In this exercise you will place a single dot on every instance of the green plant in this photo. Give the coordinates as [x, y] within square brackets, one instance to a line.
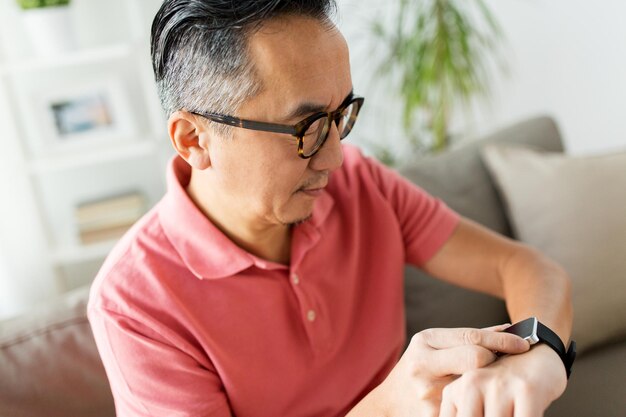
[437, 49]
[37, 4]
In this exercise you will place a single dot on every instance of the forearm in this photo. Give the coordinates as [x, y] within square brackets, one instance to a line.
[372, 405]
[533, 285]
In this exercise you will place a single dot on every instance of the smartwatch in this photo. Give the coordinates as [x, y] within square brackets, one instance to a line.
[534, 331]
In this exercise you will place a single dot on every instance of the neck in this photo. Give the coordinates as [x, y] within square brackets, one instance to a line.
[271, 242]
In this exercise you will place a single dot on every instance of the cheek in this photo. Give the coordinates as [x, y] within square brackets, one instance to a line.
[262, 175]
[275, 181]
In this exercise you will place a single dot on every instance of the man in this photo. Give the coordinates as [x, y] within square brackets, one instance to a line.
[268, 281]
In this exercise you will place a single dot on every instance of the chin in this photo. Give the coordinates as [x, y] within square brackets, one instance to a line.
[294, 219]
[297, 213]
[300, 221]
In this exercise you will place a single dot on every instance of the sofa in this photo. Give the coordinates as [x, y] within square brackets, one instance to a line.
[49, 365]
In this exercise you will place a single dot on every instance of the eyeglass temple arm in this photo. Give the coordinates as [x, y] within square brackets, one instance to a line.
[248, 124]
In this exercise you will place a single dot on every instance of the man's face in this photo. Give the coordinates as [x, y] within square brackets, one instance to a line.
[259, 176]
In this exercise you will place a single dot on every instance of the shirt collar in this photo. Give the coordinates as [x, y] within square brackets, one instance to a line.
[206, 251]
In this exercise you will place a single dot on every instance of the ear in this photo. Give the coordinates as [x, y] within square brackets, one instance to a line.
[190, 138]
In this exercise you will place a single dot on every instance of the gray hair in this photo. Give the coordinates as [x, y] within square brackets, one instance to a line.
[200, 53]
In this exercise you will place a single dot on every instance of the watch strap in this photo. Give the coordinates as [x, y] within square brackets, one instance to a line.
[547, 336]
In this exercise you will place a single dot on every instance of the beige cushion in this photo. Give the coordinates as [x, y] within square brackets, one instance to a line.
[573, 209]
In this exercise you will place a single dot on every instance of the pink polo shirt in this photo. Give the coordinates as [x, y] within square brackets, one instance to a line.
[189, 324]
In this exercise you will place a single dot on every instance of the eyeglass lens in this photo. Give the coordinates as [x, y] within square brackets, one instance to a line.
[315, 136]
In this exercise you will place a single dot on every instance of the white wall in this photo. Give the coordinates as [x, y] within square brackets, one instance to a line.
[566, 58]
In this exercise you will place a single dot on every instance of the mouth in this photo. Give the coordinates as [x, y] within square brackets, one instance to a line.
[314, 188]
[313, 192]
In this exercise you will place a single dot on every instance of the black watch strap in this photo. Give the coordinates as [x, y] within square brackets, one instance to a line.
[547, 336]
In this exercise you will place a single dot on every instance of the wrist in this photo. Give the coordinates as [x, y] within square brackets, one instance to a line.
[540, 367]
[548, 359]
[536, 332]
[566, 353]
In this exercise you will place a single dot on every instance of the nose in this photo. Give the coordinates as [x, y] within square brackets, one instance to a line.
[330, 156]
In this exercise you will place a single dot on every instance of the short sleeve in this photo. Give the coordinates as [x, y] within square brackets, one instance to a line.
[425, 221]
[153, 376]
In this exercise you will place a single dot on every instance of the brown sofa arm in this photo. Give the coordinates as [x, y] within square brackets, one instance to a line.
[49, 364]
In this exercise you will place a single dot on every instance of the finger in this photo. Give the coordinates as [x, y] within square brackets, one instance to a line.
[459, 360]
[447, 408]
[430, 409]
[496, 341]
[471, 405]
[497, 328]
[500, 411]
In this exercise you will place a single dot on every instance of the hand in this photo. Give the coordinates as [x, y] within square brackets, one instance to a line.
[513, 386]
[434, 359]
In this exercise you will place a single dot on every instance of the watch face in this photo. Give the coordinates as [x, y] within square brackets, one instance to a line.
[526, 329]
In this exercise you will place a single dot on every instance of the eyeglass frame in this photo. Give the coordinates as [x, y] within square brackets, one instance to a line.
[298, 130]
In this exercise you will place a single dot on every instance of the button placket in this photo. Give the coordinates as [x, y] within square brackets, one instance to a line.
[310, 313]
[305, 238]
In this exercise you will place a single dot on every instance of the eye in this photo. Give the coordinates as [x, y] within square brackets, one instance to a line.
[314, 129]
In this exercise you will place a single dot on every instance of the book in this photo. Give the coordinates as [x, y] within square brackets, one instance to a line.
[96, 236]
[89, 211]
[108, 218]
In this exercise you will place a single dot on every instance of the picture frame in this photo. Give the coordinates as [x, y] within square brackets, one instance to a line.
[87, 114]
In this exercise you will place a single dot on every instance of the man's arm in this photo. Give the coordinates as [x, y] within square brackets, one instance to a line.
[532, 285]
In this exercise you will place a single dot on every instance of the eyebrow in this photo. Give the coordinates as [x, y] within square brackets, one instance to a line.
[307, 108]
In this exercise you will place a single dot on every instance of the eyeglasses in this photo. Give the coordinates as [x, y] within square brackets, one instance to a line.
[311, 132]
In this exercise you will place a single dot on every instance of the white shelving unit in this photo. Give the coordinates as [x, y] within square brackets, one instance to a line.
[79, 57]
[113, 54]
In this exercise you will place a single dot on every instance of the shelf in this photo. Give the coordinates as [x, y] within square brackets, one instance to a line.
[58, 174]
[78, 57]
[92, 157]
[79, 254]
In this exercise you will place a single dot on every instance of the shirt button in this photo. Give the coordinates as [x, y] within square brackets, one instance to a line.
[295, 278]
[310, 315]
